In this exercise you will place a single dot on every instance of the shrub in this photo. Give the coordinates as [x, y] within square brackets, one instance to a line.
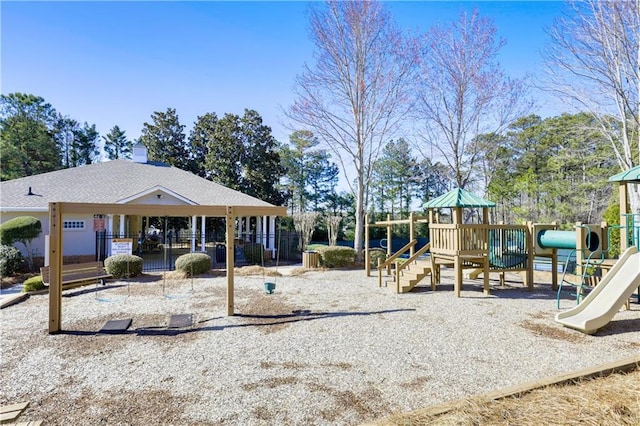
[254, 253]
[20, 229]
[10, 260]
[336, 256]
[33, 284]
[376, 254]
[316, 247]
[23, 229]
[123, 265]
[194, 263]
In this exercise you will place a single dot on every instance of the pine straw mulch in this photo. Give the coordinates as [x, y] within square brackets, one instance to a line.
[610, 400]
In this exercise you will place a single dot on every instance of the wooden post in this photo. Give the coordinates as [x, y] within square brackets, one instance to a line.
[624, 209]
[485, 272]
[411, 233]
[389, 238]
[230, 260]
[581, 236]
[530, 256]
[367, 255]
[604, 236]
[55, 268]
[457, 269]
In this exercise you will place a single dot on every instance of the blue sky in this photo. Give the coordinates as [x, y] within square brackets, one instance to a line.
[114, 63]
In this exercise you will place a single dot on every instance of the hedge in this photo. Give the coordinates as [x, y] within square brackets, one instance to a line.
[376, 254]
[336, 256]
[194, 263]
[20, 229]
[123, 265]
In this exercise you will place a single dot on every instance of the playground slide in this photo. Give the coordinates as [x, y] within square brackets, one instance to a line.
[599, 307]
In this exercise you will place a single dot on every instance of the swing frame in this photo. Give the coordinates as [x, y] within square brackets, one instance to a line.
[57, 210]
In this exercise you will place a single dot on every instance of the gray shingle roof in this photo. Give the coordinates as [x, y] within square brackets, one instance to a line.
[113, 181]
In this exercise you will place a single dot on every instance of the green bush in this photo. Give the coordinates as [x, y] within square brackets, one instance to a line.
[254, 253]
[316, 247]
[123, 265]
[33, 284]
[20, 229]
[194, 263]
[376, 254]
[336, 256]
[10, 260]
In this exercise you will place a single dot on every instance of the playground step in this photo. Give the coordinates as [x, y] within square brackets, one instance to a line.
[411, 276]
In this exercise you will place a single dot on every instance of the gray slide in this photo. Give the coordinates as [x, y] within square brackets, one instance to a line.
[606, 299]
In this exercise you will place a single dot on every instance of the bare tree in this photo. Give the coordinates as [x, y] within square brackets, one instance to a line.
[463, 92]
[333, 225]
[356, 93]
[305, 224]
[594, 62]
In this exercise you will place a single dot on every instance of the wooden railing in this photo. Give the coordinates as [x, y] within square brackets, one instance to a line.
[406, 263]
[393, 258]
[471, 239]
[459, 239]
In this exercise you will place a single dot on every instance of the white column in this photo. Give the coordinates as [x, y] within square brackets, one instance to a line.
[202, 234]
[264, 231]
[247, 229]
[239, 227]
[109, 232]
[193, 233]
[259, 230]
[122, 217]
[272, 236]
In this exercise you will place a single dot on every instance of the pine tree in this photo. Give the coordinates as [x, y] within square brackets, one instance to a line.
[27, 142]
[165, 139]
[116, 144]
[199, 138]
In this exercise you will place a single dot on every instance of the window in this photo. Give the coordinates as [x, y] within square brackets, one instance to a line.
[73, 225]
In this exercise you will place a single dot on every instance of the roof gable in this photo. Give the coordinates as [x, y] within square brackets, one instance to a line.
[158, 192]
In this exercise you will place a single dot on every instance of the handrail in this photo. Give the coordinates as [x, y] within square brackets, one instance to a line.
[407, 262]
[397, 254]
[392, 258]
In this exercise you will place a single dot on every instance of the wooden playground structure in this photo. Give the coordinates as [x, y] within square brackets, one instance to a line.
[482, 248]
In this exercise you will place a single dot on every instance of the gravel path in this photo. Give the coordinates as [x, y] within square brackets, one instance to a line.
[326, 348]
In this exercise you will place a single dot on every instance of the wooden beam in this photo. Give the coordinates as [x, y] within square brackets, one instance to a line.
[55, 268]
[230, 216]
[621, 366]
[181, 210]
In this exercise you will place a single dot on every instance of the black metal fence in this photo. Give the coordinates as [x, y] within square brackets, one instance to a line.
[159, 251]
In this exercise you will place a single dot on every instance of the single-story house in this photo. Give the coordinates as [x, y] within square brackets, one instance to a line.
[136, 181]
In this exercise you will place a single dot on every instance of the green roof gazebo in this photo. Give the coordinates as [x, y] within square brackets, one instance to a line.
[458, 244]
[627, 222]
[459, 199]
